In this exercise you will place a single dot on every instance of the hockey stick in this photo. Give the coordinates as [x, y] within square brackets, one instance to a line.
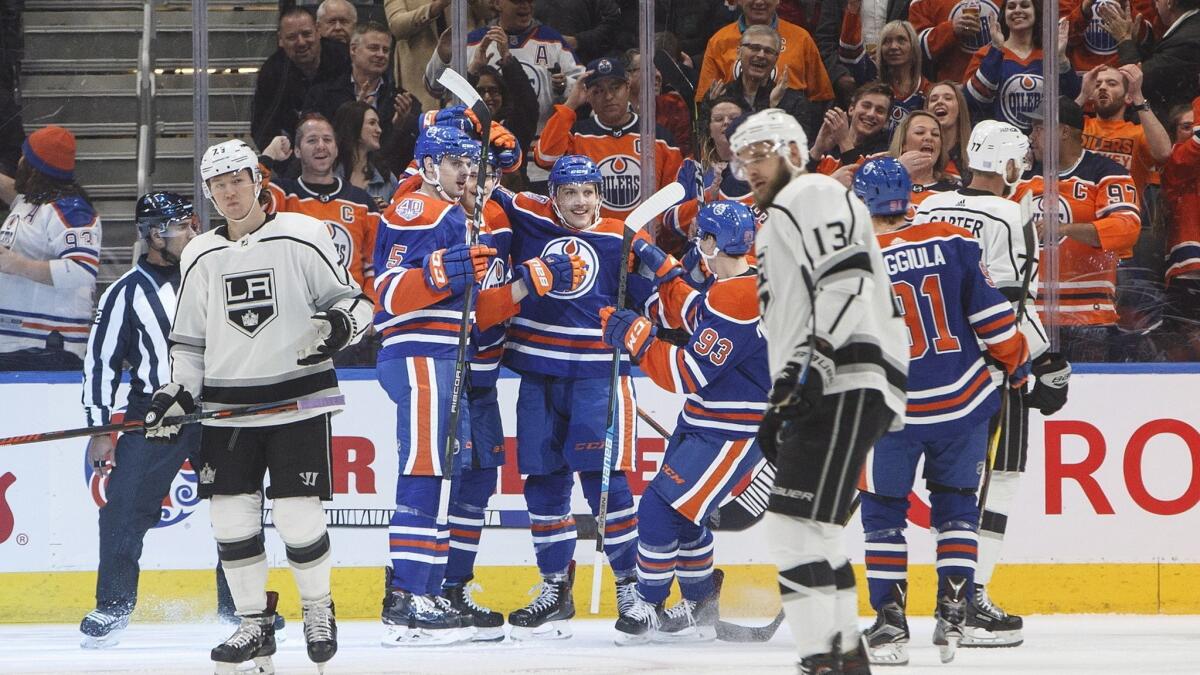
[190, 418]
[658, 428]
[455, 84]
[1022, 309]
[645, 212]
[732, 632]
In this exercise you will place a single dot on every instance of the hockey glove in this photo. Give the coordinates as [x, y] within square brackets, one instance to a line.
[334, 329]
[627, 330]
[554, 273]
[502, 137]
[171, 400]
[1051, 374]
[1019, 376]
[451, 269]
[651, 262]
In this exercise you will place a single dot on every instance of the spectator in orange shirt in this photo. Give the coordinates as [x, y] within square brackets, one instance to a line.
[951, 31]
[799, 54]
[1137, 147]
[1090, 44]
[1182, 120]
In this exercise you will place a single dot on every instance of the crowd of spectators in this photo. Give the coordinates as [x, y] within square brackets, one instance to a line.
[907, 78]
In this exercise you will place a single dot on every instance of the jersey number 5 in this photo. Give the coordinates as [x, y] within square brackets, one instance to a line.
[911, 309]
[715, 347]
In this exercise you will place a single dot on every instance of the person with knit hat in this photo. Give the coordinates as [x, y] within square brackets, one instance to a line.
[49, 257]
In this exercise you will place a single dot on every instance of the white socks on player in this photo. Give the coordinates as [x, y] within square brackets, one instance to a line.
[1002, 493]
[300, 522]
[237, 527]
[803, 549]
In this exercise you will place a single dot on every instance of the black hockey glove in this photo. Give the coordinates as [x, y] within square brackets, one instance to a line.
[335, 328]
[797, 392]
[1051, 373]
[171, 400]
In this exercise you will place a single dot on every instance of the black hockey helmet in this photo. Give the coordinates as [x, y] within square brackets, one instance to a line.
[157, 210]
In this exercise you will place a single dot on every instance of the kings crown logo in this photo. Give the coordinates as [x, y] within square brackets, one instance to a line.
[250, 300]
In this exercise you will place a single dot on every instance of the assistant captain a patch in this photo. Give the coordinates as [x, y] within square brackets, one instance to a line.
[250, 300]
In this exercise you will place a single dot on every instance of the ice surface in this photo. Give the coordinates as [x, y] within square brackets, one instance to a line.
[1053, 645]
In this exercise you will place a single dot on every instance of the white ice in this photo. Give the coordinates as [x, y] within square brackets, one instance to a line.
[1054, 645]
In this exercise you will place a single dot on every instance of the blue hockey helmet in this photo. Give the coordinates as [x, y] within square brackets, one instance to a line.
[884, 185]
[437, 142]
[573, 169]
[156, 211]
[731, 223]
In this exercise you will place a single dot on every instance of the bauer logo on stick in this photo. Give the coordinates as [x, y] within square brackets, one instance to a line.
[250, 300]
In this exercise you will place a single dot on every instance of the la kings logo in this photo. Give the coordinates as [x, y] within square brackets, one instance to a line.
[250, 300]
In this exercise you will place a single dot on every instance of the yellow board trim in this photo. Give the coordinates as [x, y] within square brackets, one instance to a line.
[750, 590]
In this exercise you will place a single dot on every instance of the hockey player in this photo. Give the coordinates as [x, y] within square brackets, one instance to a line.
[555, 344]
[951, 308]
[722, 368]
[263, 306]
[997, 158]
[423, 264]
[837, 353]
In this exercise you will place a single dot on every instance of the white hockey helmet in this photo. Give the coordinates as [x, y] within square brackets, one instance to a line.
[993, 144]
[228, 157]
[776, 127]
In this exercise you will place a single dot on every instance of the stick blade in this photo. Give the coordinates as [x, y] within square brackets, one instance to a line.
[658, 202]
[732, 632]
[456, 84]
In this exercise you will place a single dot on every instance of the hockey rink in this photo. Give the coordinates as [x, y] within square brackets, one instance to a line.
[1054, 645]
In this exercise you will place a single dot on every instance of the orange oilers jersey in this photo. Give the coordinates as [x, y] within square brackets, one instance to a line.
[348, 212]
[1124, 143]
[1181, 190]
[1089, 44]
[616, 152]
[799, 54]
[934, 23]
[1095, 190]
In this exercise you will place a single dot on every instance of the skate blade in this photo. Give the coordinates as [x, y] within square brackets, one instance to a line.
[261, 665]
[976, 638]
[631, 640]
[689, 634]
[403, 636]
[551, 630]
[946, 651]
[107, 642]
[889, 654]
[492, 634]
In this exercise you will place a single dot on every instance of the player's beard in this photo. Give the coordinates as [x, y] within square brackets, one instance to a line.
[781, 178]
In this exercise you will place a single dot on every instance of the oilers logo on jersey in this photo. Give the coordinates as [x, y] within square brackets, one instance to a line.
[1064, 209]
[591, 264]
[987, 15]
[1020, 96]
[622, 179]
[1095, 36]
[250, 300]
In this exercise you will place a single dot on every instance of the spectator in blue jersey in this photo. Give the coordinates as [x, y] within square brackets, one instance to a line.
[589, 27]
[302, 60]
[829, 27]
[132, 323]
[759, 82]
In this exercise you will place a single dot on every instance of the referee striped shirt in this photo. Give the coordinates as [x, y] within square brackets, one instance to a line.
[133, 320]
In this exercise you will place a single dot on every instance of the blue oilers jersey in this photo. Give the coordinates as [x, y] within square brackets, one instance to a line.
[723, 367]
[1000, 85]
[559, 333]
[949, 306]
[489, 343]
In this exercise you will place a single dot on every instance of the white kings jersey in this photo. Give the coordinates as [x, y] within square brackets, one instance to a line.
[65, 232]
[244, 315]
[997, 223]
[820, 269]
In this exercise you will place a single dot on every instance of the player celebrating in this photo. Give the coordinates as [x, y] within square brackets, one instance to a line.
[997, 157]
[423, 266]
[555, 343]
[263, 305]
[723, 370]
[836, 351]
[950, 307]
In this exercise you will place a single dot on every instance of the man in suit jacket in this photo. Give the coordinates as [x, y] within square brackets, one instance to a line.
[829, 28]
[1170, 65]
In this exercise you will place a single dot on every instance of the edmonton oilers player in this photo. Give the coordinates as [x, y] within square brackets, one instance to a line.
[950, 306]
[722, 368]
[423, 265]
[555, 344]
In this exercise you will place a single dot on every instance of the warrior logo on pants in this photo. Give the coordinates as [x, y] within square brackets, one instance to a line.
[250, 300]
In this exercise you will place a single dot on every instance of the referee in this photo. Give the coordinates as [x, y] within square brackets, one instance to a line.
[133, 319]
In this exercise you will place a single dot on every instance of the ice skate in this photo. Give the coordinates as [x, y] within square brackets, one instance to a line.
[637, 621]
[548, 616]
[320, 632]
[951, 616]
[489, 624]
[887, 639]
[416, 620]
[690, 621]
[254, 640]
[102, 629]
[857, 661]
[819, 664]
[990, 626]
